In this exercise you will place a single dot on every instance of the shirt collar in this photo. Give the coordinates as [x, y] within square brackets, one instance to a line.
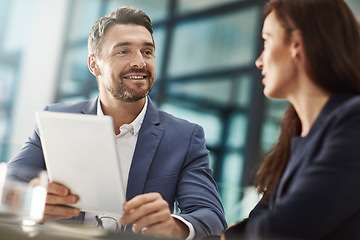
[136, 124]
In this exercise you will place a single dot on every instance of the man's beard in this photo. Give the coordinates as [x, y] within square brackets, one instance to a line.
[123, 93]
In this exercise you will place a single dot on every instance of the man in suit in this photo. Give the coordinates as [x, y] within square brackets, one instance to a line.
[163, 158]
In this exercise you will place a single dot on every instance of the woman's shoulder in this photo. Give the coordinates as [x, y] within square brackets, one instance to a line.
[347, 103]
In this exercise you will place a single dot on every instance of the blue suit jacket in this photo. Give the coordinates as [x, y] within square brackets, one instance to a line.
[170, 158]
[317, 196]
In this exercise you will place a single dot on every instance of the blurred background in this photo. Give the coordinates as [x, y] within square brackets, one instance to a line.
[205, 53]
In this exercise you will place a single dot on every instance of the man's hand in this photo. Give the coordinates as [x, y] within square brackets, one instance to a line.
[57, 196]
[151, 215]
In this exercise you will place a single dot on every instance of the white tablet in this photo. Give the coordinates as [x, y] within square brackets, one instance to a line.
[80, 152]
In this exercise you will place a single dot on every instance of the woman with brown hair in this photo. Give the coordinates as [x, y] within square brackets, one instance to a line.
[310, 177]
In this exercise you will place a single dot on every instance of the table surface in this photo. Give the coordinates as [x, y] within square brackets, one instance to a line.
[57, 231]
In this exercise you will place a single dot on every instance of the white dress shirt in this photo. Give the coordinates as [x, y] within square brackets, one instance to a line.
[126, 142]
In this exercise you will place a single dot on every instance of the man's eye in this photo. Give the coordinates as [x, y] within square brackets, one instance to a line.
[123, 52]
[148, 52]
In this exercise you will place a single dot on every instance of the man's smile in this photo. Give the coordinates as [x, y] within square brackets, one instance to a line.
[136, 77]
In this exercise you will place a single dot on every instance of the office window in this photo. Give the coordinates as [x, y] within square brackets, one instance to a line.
[13, 17]
[75, 76]
[213, 43]
[237, 135]
[355, 7]
[214, 90]
[272, 124]
[211, 123]
[187, 6]
[84, 13]
[156, 9]
[229, 188]
[159, 39]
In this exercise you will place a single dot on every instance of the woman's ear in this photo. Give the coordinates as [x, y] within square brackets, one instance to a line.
[93, 66]
[296, 46]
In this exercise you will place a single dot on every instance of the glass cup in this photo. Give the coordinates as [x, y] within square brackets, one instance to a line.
[21, 202]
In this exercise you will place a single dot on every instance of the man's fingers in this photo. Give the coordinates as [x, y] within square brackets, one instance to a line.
[150, 214]
[152, 220]
[140, 200]
[143, 214]
[57, 189]
[54, 212]
[147, 210]
[61, 211]
[55, 199]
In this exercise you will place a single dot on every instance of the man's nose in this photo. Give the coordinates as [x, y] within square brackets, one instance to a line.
[138, 61]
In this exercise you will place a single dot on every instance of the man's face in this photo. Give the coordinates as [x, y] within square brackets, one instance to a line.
[126, 63]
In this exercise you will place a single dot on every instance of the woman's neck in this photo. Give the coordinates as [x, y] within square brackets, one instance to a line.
[308, 106]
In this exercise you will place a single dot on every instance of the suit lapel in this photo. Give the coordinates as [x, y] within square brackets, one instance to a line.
[148, 141]
[293, 165]
[307, 151]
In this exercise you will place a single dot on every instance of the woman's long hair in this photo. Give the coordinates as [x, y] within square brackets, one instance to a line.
[331, 40]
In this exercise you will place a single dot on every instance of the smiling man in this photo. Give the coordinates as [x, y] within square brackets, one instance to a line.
[163, 159]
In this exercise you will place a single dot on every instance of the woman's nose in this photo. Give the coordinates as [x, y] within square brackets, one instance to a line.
[259, 62]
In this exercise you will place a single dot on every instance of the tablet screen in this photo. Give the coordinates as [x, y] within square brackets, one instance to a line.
[80, 153]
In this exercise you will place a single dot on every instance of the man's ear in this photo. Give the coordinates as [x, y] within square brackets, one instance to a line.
[93, 66]
[296, 47]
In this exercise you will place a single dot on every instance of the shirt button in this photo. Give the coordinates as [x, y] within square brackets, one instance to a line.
[132, 131]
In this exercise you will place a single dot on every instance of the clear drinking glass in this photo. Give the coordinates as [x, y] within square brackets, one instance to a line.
[20, 202]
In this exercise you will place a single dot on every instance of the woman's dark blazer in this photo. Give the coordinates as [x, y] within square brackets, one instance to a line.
[318, 196]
